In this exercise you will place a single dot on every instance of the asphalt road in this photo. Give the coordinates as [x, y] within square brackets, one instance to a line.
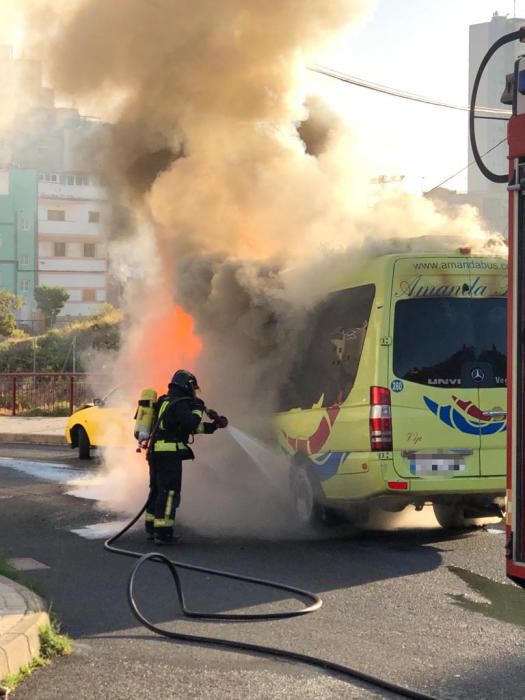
[418, 607]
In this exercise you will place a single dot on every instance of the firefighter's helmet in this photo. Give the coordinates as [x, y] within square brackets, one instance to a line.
[186, 381]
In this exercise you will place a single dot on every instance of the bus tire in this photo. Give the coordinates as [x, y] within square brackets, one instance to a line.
[83, 444]
[305, 497]
[451, 516]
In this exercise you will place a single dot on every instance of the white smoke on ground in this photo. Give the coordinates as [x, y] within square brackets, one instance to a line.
[256, 200]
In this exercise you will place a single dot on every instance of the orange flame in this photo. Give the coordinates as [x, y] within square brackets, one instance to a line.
[162, 345]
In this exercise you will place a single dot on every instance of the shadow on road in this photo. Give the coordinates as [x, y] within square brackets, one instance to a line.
[503, 601]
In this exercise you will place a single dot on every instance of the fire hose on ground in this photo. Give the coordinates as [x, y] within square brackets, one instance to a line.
[313, 605]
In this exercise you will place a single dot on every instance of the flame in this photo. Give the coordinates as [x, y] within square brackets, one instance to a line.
[162, 344]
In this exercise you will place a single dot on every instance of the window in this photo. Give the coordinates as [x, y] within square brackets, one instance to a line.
[89, 295]
[70, 179]
[60, 250]
[56, 215]
[24, 285]
[24, 259]
[89, 250]
[94, 217]
[440, 341]
[81, 179]
[62, 179]
[330, 349]
[24, 223]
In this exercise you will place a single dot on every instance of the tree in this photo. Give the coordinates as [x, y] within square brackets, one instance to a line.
[9, 303]
[50, 300]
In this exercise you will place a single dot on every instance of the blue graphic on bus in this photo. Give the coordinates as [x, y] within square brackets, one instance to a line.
[466, 417]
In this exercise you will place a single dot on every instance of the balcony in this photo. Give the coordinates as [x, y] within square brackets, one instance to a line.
[72, 265]
[71, 228]
[53, 190]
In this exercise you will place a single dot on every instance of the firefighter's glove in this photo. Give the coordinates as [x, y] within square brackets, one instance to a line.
[221, 422]
[213, 415]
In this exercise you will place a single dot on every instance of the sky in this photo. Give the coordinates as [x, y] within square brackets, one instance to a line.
[420, 46]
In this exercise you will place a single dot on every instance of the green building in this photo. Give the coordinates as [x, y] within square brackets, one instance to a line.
[18, 235]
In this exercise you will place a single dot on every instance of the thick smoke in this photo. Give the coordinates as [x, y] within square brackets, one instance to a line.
[252, 197]
[320, 123]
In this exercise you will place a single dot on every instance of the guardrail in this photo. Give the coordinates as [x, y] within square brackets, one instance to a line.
[49, 393]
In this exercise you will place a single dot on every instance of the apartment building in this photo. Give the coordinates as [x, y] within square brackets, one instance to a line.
[18, 236]
[73, 218]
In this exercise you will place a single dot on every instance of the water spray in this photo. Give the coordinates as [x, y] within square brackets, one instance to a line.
[262, 455]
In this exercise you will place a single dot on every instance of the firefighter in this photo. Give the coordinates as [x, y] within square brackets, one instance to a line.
[179, 416]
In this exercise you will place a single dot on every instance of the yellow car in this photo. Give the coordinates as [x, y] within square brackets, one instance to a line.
[102, 423]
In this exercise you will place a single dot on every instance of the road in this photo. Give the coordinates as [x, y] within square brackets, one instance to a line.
[417, 606]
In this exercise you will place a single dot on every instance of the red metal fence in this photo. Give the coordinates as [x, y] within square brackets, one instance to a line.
[49, 394]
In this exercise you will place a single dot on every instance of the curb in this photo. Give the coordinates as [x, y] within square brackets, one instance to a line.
[20, 642]
[33, 439]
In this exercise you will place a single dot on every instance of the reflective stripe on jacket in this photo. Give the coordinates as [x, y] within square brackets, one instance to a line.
[174, 439]
[164, 446]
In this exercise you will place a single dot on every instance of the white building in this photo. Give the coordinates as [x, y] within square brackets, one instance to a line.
[490, 197]
[73, 209]
[73, 217]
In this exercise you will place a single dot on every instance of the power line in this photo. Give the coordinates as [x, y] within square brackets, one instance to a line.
[451, 177]
[359, 82]
[385, 89]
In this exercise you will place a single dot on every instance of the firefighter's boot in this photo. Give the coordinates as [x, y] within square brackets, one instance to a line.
[149, 526]
[165, 536]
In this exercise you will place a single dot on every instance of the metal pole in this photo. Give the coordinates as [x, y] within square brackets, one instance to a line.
[13, 397]
[74, 353]
[71, 394]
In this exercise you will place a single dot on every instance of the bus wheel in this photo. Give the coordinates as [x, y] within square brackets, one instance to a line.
[83, 444]
[450, 515]
[306, 505]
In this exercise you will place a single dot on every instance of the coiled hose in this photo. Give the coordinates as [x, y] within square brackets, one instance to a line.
[315, 604]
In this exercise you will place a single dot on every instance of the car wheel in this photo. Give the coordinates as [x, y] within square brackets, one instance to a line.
[450, 515]
[83, 444]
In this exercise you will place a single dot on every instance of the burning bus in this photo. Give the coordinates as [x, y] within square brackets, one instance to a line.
[399, 395]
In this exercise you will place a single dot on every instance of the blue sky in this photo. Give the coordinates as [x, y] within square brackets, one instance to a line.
[420, 46]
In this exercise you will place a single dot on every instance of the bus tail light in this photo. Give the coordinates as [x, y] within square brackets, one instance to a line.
[380, 419]
[398, 485]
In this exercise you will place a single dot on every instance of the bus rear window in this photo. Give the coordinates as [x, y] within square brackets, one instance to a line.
[330, 350]
[451, 342]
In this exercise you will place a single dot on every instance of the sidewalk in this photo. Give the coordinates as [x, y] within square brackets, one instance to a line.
[33, 430]
[22, 611]
[21, 617]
